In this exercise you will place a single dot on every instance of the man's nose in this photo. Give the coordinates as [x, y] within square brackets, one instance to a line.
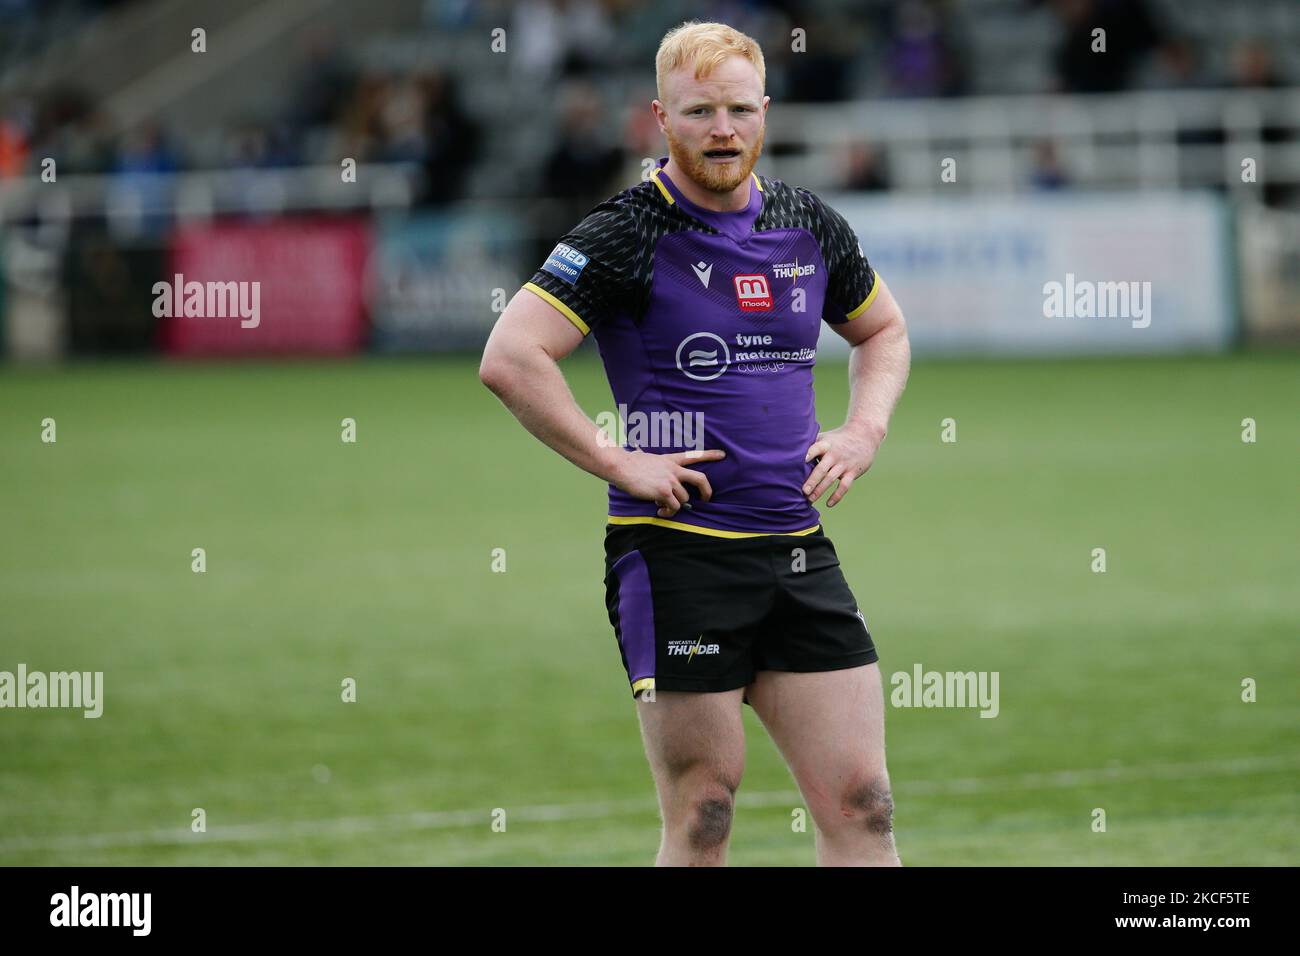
[723, 128]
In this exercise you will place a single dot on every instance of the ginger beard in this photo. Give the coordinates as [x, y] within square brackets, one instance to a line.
[715, 177]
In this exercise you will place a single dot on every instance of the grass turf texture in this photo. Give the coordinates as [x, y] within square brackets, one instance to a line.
[478, 690]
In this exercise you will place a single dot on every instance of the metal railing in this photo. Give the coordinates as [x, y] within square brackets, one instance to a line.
[1136, 140]
[1131, 141]
[129, 199]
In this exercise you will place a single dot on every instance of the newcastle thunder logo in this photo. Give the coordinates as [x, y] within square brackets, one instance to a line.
[703, 356]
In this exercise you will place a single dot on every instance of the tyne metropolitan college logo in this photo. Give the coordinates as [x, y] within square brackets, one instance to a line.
[706, 355]
[753, 293]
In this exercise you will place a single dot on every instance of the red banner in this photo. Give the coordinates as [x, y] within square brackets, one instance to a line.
[287, 287]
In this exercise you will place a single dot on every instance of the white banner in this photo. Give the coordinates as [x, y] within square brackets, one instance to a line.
[1059, 274]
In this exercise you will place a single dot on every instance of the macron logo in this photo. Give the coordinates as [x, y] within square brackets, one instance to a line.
[702, 272]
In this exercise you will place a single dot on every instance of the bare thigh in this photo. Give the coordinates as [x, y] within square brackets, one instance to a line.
[695, 743]
[689, 734]
[830, 728]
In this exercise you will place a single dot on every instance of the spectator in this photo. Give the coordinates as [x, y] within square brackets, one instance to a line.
[255, 145]
[1129, 33]
[68, 128]
[641, 136]
[324, 84]
[15, 141]
[1177, 66]
[864, 169]
[558, 37]
[145, 150]
[404, 134]
[359, 125]
[922, 59]
[141, 197]
[580, 167]
[453, 139]
[1048, 173]
[582, 163]
[1253, 67]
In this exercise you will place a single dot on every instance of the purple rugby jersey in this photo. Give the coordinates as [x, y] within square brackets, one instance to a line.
[716, 313]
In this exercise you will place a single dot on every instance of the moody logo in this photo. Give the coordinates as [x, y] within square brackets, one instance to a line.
[753, 293]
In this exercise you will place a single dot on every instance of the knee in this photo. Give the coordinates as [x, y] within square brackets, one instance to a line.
[709, 824]
[698, 799]
[702, 806]
[869, 804]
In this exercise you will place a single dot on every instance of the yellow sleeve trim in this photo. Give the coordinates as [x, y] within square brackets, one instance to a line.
[567, 312]
[866, 303]
[662, 188]
[645, 683]
[712, 532]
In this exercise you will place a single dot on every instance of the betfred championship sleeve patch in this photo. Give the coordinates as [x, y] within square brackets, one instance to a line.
[565, 262]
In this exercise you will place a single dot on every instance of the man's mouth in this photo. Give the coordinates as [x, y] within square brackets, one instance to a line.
[723, 154]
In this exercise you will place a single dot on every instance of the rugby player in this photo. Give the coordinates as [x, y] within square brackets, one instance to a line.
[705, 287]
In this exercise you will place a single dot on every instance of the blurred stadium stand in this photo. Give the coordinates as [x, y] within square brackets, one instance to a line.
[453, 140]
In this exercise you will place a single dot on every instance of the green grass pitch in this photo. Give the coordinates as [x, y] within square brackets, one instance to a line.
[479, 690]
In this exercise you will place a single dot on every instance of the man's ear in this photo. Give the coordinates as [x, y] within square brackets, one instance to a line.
[660, 114]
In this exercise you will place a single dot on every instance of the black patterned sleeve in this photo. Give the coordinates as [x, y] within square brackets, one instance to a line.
[851, 285]
[587, 276]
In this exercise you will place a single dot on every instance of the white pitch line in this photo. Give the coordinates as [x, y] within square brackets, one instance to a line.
[555, 812]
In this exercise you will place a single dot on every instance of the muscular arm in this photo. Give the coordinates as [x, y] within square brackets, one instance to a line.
[878, 367]
[520, 366]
